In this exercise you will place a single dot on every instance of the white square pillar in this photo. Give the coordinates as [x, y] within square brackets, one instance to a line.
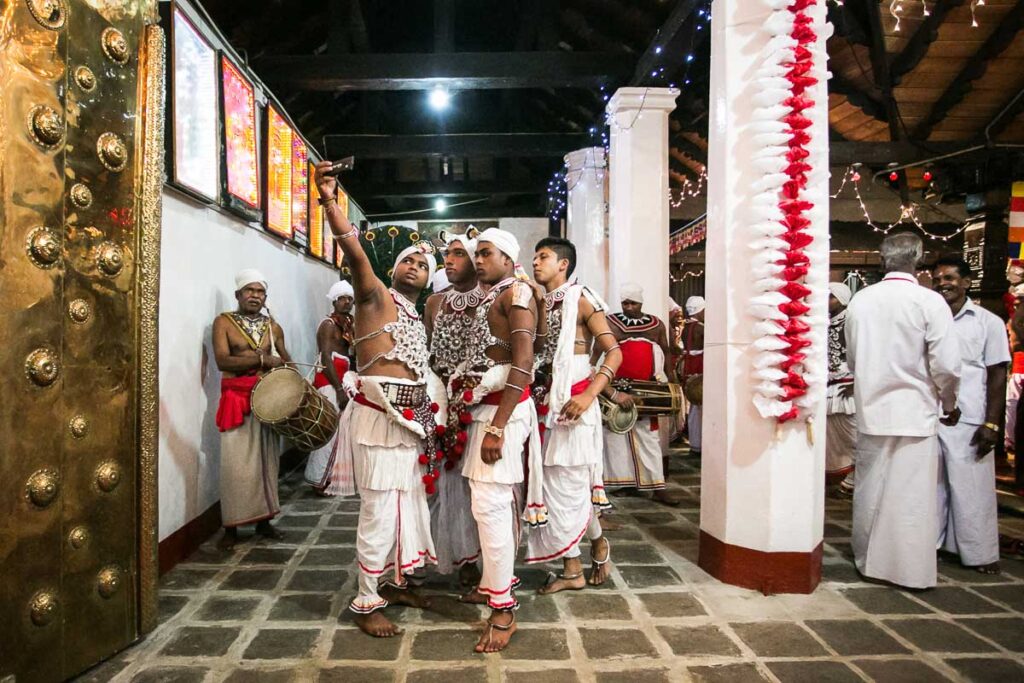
[762, 486]
[586, 180]
[638, 211]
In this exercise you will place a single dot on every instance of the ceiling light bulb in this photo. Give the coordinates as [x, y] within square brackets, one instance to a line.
[439, 98]
[440, 205]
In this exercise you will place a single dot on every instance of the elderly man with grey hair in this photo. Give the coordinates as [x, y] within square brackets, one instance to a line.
[906, 364]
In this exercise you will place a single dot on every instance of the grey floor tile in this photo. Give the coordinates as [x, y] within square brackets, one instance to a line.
[355, 674]
[878, 600]
[956, 600]
[261, 676]
[899, 671]
[637, 553]
[537, 609]
[346, 520]
[601, 643]
[171, 674]
[303, 607]
[274, 556]
[634, 675]
[317, 580]
[820, 671]
[547, 676]
[280, 643]
[1007, 631]
[590, 606]
[329, 557]
[446, 609]
[934, 635]
[336, 537]
[988, 670]
[476, 674]
[674, 532]
[669, 604]
[349, 644]
[778, 639]
[200, 641]
[537, 644]
[445, 644]
[698, 640]
[856, 637]
[1011, 595]
[650, 576]
[251, 580]
[170, 605]
[224, 608]
[185, 578]
[298, 521]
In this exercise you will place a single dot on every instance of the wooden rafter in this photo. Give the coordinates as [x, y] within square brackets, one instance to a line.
[999, 40]
[917, 47]
[663, 39]
[868, 103]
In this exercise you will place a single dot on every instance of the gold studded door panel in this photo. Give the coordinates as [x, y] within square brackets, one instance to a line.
[75, 483]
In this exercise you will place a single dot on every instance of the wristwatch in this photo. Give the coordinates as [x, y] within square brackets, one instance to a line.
[991, 425]
[496, 431]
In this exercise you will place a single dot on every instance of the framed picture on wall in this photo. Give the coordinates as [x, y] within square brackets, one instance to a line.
[278, 146]
[316, 216]
[339, 255]
[195, 146]
[241, 160]
[301, 178]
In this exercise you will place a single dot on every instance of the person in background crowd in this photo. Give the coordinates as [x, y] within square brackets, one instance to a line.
[967, 516]
[693, 365]
[906, 364]
[1012, 298]
[841, 409]
[333, 339]
[247, 344]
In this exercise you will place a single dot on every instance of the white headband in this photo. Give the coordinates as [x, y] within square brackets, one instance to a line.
[248, 277]
[339, 289]
[631, 291]
[694, 305]
[417, 249]
[505, 241]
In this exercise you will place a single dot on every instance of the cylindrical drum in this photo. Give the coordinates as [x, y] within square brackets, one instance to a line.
[289, 405]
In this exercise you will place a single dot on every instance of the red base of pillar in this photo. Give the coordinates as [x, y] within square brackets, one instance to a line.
[762, 571]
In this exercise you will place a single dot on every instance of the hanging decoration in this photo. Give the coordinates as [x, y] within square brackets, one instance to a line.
[788, 384]
[692, 234]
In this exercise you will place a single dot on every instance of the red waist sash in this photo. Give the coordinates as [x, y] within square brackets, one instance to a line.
[340, 367]
[1018, 363]
[362, 400]
[579, 387]
[495, 398]
[235, 403]
[637, 360]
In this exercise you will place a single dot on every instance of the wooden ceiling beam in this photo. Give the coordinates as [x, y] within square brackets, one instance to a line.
[917, 47]
[998, 40]
[469, 144]
[666, 34]
[456, 71]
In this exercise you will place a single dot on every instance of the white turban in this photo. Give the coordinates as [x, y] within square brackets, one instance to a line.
[694, 305]
[631, 291]
[248, 277]
[418, 249]
[339, 289]
[505, 241]
[673, 306]
[841, 292]
[467, 244]
[440, 281]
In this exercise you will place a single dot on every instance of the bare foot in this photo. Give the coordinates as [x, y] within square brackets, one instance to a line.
[265, 530]
[497, 633]
[469, 575]
[228, 540]
[600, 570]
[474, 597]
[376, 624]
[404, 596]
[662, 496]
[571, 579]
[990, 569]
[608, 525]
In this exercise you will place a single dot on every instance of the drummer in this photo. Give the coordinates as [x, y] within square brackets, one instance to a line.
[634, 460]
[693, 365]
[333, 339]
[247, 344]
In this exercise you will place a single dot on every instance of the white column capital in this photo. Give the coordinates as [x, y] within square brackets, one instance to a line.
[588, 157]
[636, 99]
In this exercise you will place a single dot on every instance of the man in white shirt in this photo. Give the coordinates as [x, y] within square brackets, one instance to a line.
[967, 518]
[906, 363]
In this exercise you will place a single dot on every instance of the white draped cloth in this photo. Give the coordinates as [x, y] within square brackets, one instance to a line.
[906, 363]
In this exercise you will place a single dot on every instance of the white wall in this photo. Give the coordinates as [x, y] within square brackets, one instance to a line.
[201, 251]
[528, 231]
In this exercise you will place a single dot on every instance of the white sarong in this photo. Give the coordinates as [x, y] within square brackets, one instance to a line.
[249, 463]
[693, 418]
[1013, 391]
[633, 459]
[451, 523]
[321, 461]
[967, 514]
[894, 509]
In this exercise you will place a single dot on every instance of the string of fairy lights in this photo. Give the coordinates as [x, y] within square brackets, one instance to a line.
[897, 13]
[558, 186]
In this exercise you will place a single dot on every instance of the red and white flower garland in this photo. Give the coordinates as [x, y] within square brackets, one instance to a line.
[787, 382]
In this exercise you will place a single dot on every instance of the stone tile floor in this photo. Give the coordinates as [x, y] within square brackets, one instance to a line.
[276, 612]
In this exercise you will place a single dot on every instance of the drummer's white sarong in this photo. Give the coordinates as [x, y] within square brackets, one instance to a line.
[693, 426]
[320, 462]
[249, 462]
[393, 537]
[633, 459]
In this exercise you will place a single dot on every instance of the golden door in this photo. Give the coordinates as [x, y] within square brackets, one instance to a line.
[81, 166]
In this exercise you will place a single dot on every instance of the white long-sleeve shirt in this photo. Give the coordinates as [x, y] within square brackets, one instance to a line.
[905, 357]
